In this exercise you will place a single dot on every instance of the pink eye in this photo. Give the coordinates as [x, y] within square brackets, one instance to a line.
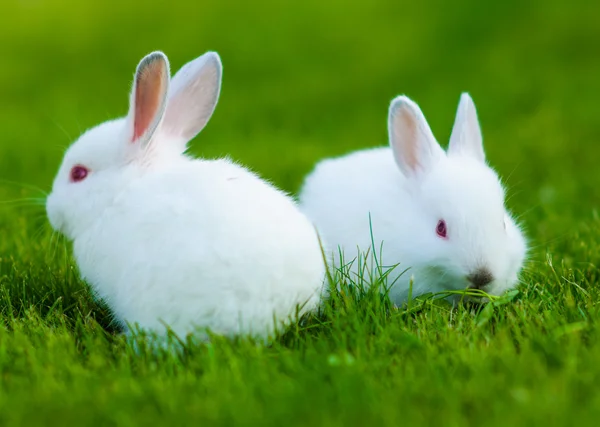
[78, 173]
[441, 229]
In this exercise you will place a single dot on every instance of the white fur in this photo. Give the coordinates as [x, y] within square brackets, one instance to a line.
[169, 240]
[407, 189]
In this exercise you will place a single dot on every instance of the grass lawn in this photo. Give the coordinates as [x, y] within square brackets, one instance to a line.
[302, 81]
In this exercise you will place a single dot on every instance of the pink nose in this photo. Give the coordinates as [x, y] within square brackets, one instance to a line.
[480, 278]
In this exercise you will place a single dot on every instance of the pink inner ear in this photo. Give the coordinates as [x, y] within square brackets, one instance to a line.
[411, 134]
[149, 94]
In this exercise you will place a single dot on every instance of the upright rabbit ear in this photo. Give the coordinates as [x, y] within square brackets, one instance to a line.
[148, 97]
[466, 136]
[193, 96]
[414, 146]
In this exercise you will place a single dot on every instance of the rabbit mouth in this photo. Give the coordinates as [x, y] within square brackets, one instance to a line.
[52, 215]
[55, 217]
[58, 226]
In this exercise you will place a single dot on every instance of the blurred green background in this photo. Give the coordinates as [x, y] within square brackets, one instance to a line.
[306, 80]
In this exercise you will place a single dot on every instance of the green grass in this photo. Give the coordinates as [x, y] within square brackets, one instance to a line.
[302, 81]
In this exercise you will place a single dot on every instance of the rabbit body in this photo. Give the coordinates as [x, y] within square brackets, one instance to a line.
[167, 240]
[202, 252]
[437, 218]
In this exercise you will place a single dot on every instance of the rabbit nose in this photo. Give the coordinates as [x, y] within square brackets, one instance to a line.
[480, 278]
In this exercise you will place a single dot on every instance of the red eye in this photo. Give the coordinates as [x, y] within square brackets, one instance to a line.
[78, 173]
[441, 229]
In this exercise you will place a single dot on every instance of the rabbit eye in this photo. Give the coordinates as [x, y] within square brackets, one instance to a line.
[79, 173]
[441, 229]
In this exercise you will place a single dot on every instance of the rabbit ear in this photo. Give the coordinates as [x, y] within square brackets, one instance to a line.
[193, 96]
[414, 146]
[148, 97]
[466, 136]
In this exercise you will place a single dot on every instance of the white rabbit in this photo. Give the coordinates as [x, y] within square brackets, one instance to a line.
[441, 215]
[167, 240]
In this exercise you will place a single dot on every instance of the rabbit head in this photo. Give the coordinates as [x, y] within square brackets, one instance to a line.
[463, 231]
[163, 116]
